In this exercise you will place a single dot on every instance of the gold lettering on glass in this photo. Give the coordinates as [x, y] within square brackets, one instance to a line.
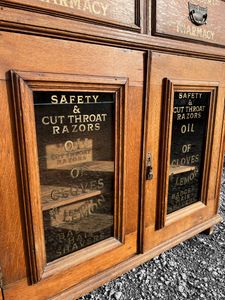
[76, 151]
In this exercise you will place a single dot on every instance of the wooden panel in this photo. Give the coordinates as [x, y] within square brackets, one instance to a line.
[60, 57]
[24, 85]
[217, 157]
[191, 68]
[71, 275]
[48, 25]
[171, 19]
[180, 68]
[173, 230]
[134, 143]
[123, 14]
[83, 287]
[12, 255]
[173, 66]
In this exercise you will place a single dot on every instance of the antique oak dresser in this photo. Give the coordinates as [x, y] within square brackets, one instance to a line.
[111, 133]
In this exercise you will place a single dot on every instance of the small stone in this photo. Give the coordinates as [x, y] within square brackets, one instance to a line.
[180, 288]
[163, 255]
[172, 263]
[118, 295]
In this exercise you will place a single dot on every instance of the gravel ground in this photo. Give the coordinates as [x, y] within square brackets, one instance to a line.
[194, 269]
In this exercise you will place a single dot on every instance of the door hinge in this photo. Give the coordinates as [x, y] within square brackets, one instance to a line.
[149, 175]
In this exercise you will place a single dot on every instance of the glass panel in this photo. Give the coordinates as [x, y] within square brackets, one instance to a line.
[190, 118]
[76, 153]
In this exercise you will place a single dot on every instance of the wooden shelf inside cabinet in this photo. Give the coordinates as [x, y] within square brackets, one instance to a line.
[50, 205]
[50, 193]
[180, 169]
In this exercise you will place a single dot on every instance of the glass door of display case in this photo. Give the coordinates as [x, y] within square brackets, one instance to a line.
[75, 208]
[73, 154]
[184, 142]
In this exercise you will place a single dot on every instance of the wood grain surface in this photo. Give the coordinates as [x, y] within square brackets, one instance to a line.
[170, 66]
[172, 19]
[14, 17]
[111, 12]
[22, 217]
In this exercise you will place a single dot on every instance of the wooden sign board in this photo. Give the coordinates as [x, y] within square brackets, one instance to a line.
[111, 12]
[74, 163]
[173, 19]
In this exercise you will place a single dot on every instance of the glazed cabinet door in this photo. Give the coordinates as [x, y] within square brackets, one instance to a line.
[72, 158]
[183, 149]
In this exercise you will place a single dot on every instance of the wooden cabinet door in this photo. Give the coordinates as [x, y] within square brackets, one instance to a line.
[71, 208]
[183, 153]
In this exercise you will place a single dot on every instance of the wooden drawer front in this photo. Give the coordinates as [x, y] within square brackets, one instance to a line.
[90, 64]
[172, 19]
[122, 13]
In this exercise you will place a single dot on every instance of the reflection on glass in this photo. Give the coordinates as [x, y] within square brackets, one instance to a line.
[190, 117]
[76, 151]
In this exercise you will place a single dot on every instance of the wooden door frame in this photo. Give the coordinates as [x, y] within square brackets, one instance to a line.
[172, 86]
[24, 84]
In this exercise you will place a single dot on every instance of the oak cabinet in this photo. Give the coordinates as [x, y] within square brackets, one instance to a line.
[112, 138]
